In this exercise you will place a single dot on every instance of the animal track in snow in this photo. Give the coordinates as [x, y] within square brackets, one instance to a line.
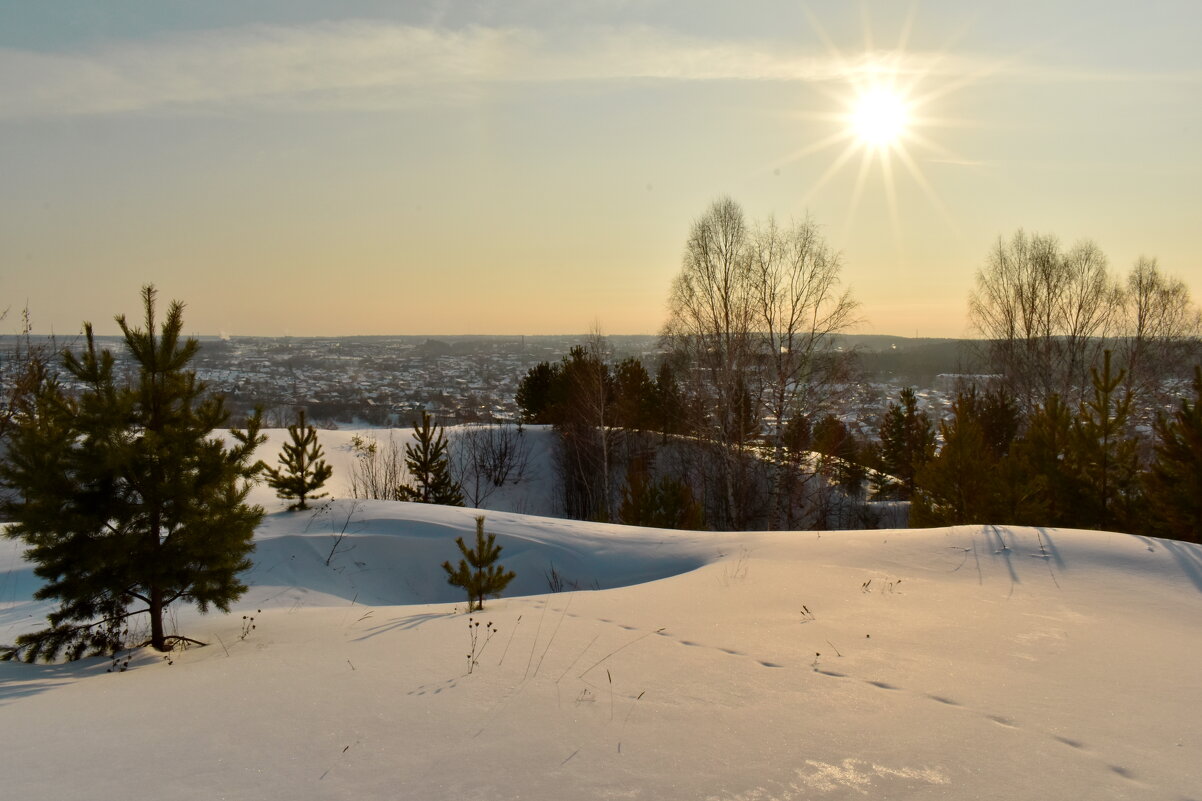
[942, 700]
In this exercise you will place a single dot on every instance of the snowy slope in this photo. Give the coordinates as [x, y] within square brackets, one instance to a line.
[534, 493]
[949, 663]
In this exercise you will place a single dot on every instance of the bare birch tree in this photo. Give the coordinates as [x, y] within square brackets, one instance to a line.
[800, 307]
[711, 326]
[752, 316]
[1044, 314]
[1161, 333]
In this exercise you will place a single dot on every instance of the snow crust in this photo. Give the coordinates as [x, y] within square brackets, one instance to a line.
[971, 662]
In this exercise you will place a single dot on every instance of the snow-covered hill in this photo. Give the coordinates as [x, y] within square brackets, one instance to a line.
[974, 662]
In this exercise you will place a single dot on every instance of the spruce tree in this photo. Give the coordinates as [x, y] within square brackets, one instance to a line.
[477, 572]
[126, 501]
[1174, 480]
[302, 469]
[429, 467]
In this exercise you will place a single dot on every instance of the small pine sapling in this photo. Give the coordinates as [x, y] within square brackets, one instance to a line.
[302, 469]
[477, 572]
[430, 467]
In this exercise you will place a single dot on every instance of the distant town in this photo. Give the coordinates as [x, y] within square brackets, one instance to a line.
[385, 380]
[390, 380]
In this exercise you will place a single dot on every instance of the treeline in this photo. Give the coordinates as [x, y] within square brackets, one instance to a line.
[627, 454]
[609, 418]
[1059, 465]
[1080, 412]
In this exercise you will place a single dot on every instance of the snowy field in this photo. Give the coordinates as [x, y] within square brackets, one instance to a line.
[972, 662]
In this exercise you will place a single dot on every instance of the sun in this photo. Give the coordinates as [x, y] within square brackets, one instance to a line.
[879, 117]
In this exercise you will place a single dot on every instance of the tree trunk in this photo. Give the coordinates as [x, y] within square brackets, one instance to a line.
[158, 640]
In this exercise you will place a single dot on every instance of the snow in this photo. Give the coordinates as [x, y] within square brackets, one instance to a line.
[970, 662]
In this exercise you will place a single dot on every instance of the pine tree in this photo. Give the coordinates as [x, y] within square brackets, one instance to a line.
[1038, 486]
[1103, 456]
[634, 396]
[126, 502]
[429, 467]
[959, 484]
[907, 440]
[302, 469]
[663, 503]
[668, 409]
[477, 572]
[540, 393]
[840, 453]
[1174, 481]
[966, 480]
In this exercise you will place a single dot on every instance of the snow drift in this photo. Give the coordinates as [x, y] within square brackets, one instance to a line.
[972, 662]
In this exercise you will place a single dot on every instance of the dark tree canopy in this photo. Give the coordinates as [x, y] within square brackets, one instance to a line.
[1174, 482]
[538, 393]
[665, 502]
[962, 483]
[126, 501]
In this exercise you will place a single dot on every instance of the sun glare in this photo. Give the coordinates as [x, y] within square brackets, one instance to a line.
[879, 117]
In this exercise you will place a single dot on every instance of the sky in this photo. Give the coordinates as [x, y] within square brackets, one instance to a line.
[291, 167]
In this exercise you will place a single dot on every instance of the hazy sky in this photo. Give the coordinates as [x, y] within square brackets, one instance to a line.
[302, 167]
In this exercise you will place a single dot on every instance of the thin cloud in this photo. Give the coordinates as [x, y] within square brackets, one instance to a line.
[367, 64]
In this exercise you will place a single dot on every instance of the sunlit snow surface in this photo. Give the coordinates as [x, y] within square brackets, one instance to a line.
[974, 662]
